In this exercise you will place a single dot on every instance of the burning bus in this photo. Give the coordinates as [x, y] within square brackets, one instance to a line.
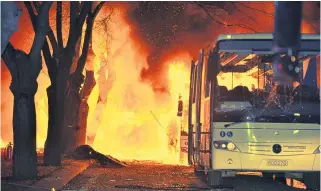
[241, 121]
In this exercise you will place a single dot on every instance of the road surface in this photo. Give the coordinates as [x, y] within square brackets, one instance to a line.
[153, 176]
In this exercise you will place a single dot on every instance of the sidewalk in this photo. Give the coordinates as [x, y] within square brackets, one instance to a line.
[49, 177]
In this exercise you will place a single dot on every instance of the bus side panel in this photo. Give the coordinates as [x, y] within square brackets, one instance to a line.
[205, 136]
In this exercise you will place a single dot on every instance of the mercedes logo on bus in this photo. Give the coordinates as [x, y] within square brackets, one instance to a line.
[277, 148]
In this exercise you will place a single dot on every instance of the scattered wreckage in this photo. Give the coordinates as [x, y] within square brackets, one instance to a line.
[86, 152]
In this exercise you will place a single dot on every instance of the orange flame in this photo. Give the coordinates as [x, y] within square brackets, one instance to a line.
[138, 123]
[129, 129]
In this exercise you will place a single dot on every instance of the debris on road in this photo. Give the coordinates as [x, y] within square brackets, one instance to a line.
[86, 152]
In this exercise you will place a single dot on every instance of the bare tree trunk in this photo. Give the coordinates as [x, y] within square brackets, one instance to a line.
[24, 69]
[53, 146]
[73, 98]
[77, 49]
[67, 86]
[84, 107]
[24, 72]
[76, 57]
[24, 123]
[72, 108]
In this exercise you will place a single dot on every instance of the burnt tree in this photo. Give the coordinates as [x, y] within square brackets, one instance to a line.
[77, 101]
[24, 69]
[59, 63]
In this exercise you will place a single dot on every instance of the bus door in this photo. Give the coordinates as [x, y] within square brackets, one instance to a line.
[205, 132]
[197, 111]
[190, 122]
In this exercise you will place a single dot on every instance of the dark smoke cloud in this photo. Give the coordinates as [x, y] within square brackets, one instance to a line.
[164, 29]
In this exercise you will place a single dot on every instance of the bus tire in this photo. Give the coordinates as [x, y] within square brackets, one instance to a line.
[312, 181]
[199, 172]
[280, 179]
[214, 178]
[267, 175]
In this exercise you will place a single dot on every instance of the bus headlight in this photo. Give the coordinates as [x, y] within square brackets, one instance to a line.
[225, 145]
[231, 146]
[318, 150]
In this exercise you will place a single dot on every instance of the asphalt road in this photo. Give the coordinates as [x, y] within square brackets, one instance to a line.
[153, 176]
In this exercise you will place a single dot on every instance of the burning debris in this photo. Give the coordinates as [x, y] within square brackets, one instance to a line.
[86, 152]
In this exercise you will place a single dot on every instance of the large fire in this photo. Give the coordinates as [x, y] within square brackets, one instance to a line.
[136, 122]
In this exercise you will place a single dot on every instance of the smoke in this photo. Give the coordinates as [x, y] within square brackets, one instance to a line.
[165, 29]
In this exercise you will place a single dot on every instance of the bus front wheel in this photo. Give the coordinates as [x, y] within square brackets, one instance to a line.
[214, 178]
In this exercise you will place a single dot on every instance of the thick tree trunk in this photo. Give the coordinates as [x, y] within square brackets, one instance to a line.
[76, 57]
[24, 131]
[25, 69]
[24, 86]
[53, 146]
[72, 108]
[84, 107]
[51, 133]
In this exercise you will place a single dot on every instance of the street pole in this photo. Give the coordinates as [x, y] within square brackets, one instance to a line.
[286, 40]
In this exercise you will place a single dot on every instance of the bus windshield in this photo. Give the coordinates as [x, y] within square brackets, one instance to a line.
[246, 90]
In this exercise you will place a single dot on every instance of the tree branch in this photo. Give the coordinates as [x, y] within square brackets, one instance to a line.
[45, 48]
[74, 11]
[53, 42]
[41, 29]
[59, 25]
[51, 36]
[86, 8]
[74, 33]
[84, 53]
[88, 36]
[221, 23]
[98, 8]
[249, 17]
[31, 13]
[255, 9]
[8, 58]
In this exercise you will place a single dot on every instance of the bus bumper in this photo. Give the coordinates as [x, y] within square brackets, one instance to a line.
[227, 160]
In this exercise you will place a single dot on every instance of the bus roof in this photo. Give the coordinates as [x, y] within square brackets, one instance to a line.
[264, 36]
